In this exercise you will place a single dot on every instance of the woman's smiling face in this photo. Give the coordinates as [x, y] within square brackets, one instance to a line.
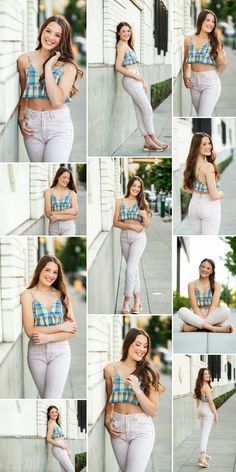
[51, 36]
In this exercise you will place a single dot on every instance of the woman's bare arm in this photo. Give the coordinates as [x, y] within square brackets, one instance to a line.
[193, 300]
[121, 50]
[124, 224]
[211, 182]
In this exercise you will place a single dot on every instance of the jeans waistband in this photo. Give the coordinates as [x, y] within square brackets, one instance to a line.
[205, 73]
[48, 113]
[199, 196]
[135, 416]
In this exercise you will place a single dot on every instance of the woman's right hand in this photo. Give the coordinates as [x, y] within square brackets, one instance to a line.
[27, 132]
[187, 82]
[111, 429]
[137, 228]
[221, 195]
[69, 327]
[216, 418]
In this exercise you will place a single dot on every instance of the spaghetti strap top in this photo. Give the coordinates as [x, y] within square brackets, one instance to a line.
[202, 187]
[127, 213]
[203, 299]
[130, 58]
[59, 205]
[36, 88]
[57, 432]
[44, 316]
[204, 399]
[122, 392]
[201, 55]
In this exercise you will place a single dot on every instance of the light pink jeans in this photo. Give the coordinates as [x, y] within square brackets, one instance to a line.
[132, 245]
[53, 135]
[205, 91]
[142, 106]
[217, 317]
[134, 446]
[206, 418]
[49, 365]
[205, 214]
[62, 228]
[63, 459]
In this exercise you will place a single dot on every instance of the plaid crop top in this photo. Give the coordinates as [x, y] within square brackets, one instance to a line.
[57, 432]
[121, 391]
[127, 213]
[130, 58]
[203, 299]
[201, 55]
[36, 88]
[59, 205]
[44, 316]
[204, 399]
[202, 186]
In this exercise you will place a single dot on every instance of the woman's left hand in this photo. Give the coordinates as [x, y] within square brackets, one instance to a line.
[142, 213]
[145, 87]
[40, 338]
[69, 453]
[53, 217]
[134, 382]
[51, 63]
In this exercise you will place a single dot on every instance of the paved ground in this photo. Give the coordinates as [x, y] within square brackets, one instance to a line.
[202, 342]
[76, 382]
[226, 106]
[155, 270]
[78, 115]
[228, 206]
[81, 221]
[133, 145]
[221, 446]
[161, 456]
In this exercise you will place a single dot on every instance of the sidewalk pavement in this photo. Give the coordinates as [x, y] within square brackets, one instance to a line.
[81, 220]
[202, 342]
[228, 207]
[154, 270]
[76, 382]
[161, 455]
[221, 444]
[133, 145]
[78, 115]
[226, 106]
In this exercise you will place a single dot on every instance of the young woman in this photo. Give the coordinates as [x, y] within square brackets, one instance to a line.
[132, 216]
[49, 322]
[132, 387]
[55, 436]
[61, 206]
[47, 79]
[134, 84]
[206, 412]
[204, 56]
[204, 296]
[201, 178]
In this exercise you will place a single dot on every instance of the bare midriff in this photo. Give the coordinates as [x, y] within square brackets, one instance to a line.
[132, 66]
[42, 104]
[197, 67]
[127, 409]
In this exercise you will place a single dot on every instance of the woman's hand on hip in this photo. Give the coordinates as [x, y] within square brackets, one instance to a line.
[187, 82]
[40, 338]
[69, 327]
[109, 425]
[137, 228]
[145, 87]
[51, 63]
[27, 132]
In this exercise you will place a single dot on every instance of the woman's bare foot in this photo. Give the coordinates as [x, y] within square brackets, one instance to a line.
[158, 142]
[150, 145]
[218, 329]
[186, 328]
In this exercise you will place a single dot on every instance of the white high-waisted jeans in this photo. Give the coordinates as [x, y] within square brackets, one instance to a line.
[63, 459]
[217, 317]
[205, 214]
[49, 365]
[142, 106]
[134, 446]
[132, 245]
[206, 418]
[53, 135]
[62, 228]
[205, 91]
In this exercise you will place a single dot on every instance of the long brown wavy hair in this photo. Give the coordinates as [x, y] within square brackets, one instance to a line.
[142, 202]
[65, 48]
[212, 275]
[118, 28]
[60, 171]
[189, 172]
[145, 373]
[58, 420]
[213, 38]
[200, 382]
[59, 284]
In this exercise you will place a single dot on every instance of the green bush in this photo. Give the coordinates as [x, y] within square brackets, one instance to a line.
[179, 301]
[222, 166]
[223, 398]
[185, 199]
[80, 461]
[159, 92]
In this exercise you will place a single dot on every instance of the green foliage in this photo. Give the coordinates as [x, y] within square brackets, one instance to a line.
[159, 330]
[158, 174]
[223, 398]
[226, 295]
[159, 92]
[179, 301]
[223, 9]
[76, 16]
[185, 200]
[73, 254]
[222, 166]
[230, 257]
[80, 461]
[81, 169]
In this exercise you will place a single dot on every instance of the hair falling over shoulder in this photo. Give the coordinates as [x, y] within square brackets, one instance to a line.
[142, 202]
[200, 382]
[215, 43]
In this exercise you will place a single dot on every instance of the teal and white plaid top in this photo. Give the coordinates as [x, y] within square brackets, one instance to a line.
[202, 186]
[122, 392]
[36, 88]
[201, 55]
[48, 316]
[127, 213]
[57, 432]
[130, 58]
[59, 205]
[203, 299]
[204, 399]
